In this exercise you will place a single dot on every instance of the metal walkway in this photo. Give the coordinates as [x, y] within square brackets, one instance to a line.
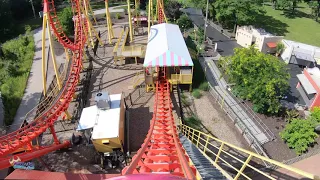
[205, 168]
[259, 130]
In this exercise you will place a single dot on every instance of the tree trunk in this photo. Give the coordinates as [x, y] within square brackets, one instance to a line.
[294, 4]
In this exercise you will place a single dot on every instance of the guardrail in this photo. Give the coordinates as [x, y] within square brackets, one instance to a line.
[234, 162]
[244, 130]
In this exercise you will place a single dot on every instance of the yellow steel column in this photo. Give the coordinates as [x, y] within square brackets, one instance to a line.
[67, 54]
[152, 15]
[53, 57]
[90, 27]
[92, 13]
[130, 21]
[55, 63]
[85, 12]
[44, 73]
[110, 31]
[149, 15]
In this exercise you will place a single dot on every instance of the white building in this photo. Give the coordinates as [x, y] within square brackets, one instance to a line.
[301, 54]
[263, 41]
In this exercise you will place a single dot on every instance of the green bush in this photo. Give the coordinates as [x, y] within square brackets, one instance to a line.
[204, 86]
[118, 16]
[65, 18]
[193, 121]
[196, 93]
[299, 134]
[15, 66]
[185, 102]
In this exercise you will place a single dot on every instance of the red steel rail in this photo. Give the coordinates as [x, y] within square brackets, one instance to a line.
[23, 136]
[162, 151]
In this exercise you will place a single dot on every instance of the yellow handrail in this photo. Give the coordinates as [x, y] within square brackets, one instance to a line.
[213, 148]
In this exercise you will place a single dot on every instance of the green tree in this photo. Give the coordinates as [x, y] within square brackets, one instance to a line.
[5, 19]
[184, 22]
[288, 4]
[299, 134]
[258, 77]
[172, 9]
[315, 9]
[65, 18]
[233, 12]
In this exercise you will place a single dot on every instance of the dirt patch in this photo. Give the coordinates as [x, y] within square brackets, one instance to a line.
[214, 121]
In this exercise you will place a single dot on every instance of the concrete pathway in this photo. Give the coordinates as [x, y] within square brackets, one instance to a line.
[220, 86]
[111, 10]
[33, 91]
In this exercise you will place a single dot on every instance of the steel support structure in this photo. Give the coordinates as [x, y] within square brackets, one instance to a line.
[109, 23]
[92, 32]
[47, 29]
[130, 20]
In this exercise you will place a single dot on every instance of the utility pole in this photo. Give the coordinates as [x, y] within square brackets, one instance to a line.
[206, 21]
[34, 12]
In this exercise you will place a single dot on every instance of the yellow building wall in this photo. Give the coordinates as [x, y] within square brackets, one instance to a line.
[111, 143]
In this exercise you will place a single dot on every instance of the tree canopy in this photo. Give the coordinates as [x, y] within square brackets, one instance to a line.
[185, 22]
[172, 9]
[65, 18]
[5, 19]
[233, 12]
[258, 77]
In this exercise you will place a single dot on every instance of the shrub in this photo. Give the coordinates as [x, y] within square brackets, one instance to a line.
[15, 67]
[196, 93]
[118, 16]
[204, 86]
[65, 18]
[193, 121]
[185, 102]
[299, 134]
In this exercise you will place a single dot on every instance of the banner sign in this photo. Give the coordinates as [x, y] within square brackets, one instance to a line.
[24, 165]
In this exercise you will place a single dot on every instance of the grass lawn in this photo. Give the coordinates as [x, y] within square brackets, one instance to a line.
[20, 53]
[101, 4]
[300, 27]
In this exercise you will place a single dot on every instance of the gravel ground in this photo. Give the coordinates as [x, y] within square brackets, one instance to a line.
[216, 122]
[105, 77]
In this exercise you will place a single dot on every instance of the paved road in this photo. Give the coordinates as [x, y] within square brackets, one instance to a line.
[225, 45]
[111, 10]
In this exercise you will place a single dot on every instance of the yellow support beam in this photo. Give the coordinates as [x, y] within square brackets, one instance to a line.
[44, 73]
[130, 21]
[92, 13]
[92, 31]
[109, 23]
[149, 15]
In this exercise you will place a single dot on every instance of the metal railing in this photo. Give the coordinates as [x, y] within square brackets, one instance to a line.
[255, 118]
[235, 162]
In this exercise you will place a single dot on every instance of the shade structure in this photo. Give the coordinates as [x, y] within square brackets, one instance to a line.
[166, 47]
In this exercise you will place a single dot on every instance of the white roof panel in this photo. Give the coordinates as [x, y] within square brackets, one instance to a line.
[107, 125]
[166, 47]
[90, 116]
[306, 84]
[87, 118]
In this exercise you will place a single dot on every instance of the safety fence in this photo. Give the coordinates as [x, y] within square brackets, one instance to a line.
[238, 163]
[244, 130]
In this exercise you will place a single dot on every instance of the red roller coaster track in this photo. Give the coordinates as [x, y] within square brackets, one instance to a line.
[23, 136]
[161, 151]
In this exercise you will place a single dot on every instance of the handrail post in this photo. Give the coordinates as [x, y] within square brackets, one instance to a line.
[192, 135]
[243, 167]
[219, 152]
[199, 134]
[205, 147]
